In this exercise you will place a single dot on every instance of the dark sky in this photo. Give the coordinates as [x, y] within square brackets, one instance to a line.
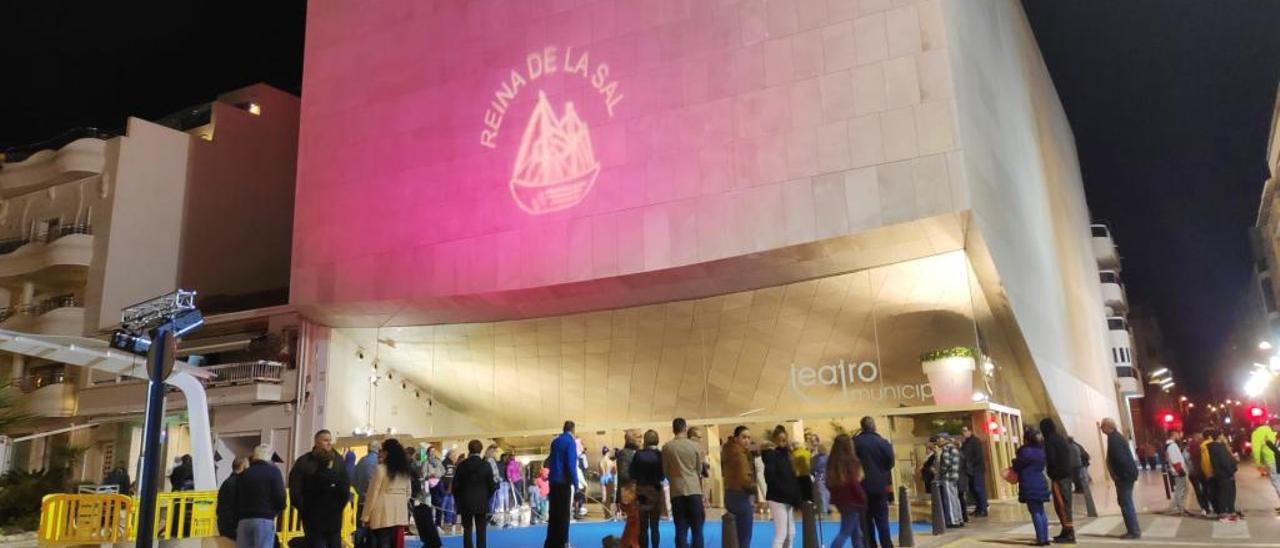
[1170, 102]
[88, 63]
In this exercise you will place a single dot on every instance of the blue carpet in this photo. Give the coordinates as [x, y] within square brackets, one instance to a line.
[589, 534]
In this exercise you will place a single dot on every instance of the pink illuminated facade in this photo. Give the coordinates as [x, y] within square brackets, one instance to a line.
[620, 211]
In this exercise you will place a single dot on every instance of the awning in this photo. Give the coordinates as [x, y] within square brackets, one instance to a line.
[84, 352]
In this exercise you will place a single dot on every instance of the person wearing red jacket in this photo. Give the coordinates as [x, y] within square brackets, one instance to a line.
[844, 481]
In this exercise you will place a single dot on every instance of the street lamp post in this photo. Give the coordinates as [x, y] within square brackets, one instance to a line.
[152, 328]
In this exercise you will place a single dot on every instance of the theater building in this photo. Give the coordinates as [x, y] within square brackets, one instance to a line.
[509, 214]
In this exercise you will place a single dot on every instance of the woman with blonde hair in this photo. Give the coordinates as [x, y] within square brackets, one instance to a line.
[844, 482]
[783, 491]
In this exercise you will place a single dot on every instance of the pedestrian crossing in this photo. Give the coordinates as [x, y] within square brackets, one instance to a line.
[1163, 527]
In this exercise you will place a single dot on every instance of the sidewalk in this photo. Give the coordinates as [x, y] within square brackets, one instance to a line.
[1009, 523]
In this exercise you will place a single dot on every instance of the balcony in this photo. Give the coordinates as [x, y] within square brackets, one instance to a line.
[233, 384]
[61, 315]
[1113, 292]
[49, 392]
[1104, 248]
[1128, 386]
[71, 156]
[1120, 342]
[64, 251]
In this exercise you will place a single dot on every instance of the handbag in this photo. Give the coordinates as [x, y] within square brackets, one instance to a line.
[1010, 475]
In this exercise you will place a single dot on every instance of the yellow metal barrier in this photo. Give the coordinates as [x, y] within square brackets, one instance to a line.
[84, 519]
[100, 519]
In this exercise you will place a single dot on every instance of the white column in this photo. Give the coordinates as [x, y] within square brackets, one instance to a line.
[201, 432]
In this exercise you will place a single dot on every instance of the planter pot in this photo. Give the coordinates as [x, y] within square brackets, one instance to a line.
[951, 379]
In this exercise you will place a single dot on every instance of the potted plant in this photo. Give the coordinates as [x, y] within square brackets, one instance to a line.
[950, 373]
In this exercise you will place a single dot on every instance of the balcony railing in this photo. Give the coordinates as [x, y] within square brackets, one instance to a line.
[22, 152]
[36, 380]
[9, 245]
[231, 374]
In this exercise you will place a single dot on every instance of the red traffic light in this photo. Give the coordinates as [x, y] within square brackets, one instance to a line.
[993, 426]
[1256, 412]
[1168, 418]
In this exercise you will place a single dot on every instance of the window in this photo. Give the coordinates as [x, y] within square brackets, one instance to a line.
[1268, 294]
[1125, 371]
[1116, 324]
[1109, 277]
[1100, 231]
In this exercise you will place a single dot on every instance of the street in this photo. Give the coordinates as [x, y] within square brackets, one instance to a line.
[1011, 525]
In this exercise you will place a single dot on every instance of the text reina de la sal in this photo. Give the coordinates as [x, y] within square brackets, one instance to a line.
[545, 63]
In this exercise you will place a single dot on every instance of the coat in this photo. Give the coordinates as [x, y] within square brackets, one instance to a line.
[1224, 465]
[1120, 459]
[876, 455]
[259, 492]
[1029, 463]
[1262, 454]
[974, 460]
[781, 484]
[473, 484]
[682, 464]
[387, 503]
[737, 467]
[226, 510]
[1057, 452]
[848, 492]
[326, 492]
[563, 460]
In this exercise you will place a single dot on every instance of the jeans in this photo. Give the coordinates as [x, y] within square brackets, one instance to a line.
[256, 533]
[738, 503]
[1197, 487]
[689, 515]
[784, 524]
[476, 523]
[1275, 481]
[951, 508]
[978, 488]
[649, 520]
[822, 496]
[324, 540]
[1124, 496]
[386, 537]
[1061, 489]
[1225, 488]
[558, 522]
[1211, 495]
[1039, 520]
[850, 528]
[1179, 493]
[877, 520]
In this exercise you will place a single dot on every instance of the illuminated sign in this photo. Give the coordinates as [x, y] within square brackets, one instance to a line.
[555, 166]
[857, 381]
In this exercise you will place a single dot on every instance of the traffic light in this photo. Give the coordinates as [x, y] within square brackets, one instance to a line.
[1256, 412]
[1168, 419]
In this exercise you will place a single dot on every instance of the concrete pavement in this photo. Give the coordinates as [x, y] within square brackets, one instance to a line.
[1010, 525]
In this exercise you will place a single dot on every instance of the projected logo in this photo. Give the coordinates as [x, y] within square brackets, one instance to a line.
[555, 166]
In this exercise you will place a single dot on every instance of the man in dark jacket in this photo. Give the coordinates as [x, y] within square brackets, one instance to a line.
[473, 486]
[319, 489]
[876, 454]
[259, 499]
[563, 462]
[1224, 478]
[1057, 455]
[975, 468]
[1124, 471]
[226, 511]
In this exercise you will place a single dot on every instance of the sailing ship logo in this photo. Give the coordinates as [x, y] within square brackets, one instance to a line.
[555, 166]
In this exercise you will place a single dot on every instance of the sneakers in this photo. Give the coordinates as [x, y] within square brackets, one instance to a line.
[1130, 536]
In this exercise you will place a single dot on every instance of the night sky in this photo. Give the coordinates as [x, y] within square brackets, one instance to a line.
[1170, 102]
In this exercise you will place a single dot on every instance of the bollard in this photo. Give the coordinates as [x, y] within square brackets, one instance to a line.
[810, 525]
[728, 531]
[1090, 508]
[939, 521]
[906, 537]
